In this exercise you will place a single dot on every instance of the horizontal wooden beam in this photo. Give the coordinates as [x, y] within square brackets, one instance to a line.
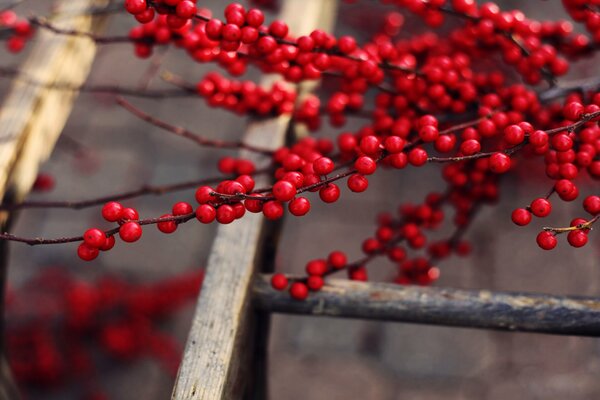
[526, 312]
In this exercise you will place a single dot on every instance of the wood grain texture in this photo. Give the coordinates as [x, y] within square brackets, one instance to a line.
[219, 347]
[484, 309]
[33, 116]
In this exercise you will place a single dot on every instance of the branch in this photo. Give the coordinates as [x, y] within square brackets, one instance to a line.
[179, 131]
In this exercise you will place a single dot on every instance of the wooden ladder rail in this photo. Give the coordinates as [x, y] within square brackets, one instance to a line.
[484, 309]
[220, 350]
[33, 116]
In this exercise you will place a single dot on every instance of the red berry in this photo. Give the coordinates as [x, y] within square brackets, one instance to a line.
[546, 240]
[186, 9]
[94, 237]
[417, 157]
[337, 259]
[499, 163]
[109, 243]
[130, 214]
[87, 253]
[577, 238]
[182, 208]
[315, 283]
[203, 195]
[299, 206]
[167, 226]
[225, 214]
[316, 267]
[365, 165]
[299, 291]
[130, 231]
[330, 193]
[323, 166]
[358, 183]
[206, 213]
[135, 6]
[279, 281]
[591, 204]
[521, 216]
[541, 207]
[273, 210]
[112, 211]
[284, 191]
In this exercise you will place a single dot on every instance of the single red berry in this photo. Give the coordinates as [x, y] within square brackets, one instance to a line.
[316, 267]
[279, 282]
[167, 226]
[203, 195]
[273, 210]
[330, 193]
[358, 183]
[573, 111]
[546, 240]
[337, 259]
[284, 191]
[206, 213]
[417, 157]
[323, 166]
[591, 204]
[186, 9]
[499, 163]
[577, 238]
[315, 283]
[521, 216]
[513, 135]
[109, 243]
[365, 165]
[112, 211]
[225, 214]
[130, 214]
[299, 206]
[130, 232]
[94, 237]
[135, 6]
[87, 253]
[541, 207]
[299, 291]
[182, 208]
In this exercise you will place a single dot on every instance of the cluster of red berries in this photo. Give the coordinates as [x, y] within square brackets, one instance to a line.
[57, 323]
[419, 82]
[587, 12]
[20, 30]
[246, 97]
[96, 240]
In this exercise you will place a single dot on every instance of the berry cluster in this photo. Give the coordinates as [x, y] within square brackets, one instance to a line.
[423, 99]
[246, 97]
[17, 30]
[57, 323]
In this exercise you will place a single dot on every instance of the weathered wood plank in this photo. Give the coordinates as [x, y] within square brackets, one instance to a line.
[33, 116]
[483, 309]
[219, 346]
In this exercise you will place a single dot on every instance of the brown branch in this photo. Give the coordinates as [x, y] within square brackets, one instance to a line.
[182, 132]
[143, 190]
[111, 232]
[583, 226]
[570, 128]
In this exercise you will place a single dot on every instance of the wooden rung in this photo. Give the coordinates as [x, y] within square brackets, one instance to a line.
[526, 312]
[217, 361]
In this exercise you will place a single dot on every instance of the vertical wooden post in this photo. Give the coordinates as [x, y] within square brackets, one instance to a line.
[33, 116]
[221, 344]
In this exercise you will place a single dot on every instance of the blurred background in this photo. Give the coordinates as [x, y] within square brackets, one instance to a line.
[105, 150]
